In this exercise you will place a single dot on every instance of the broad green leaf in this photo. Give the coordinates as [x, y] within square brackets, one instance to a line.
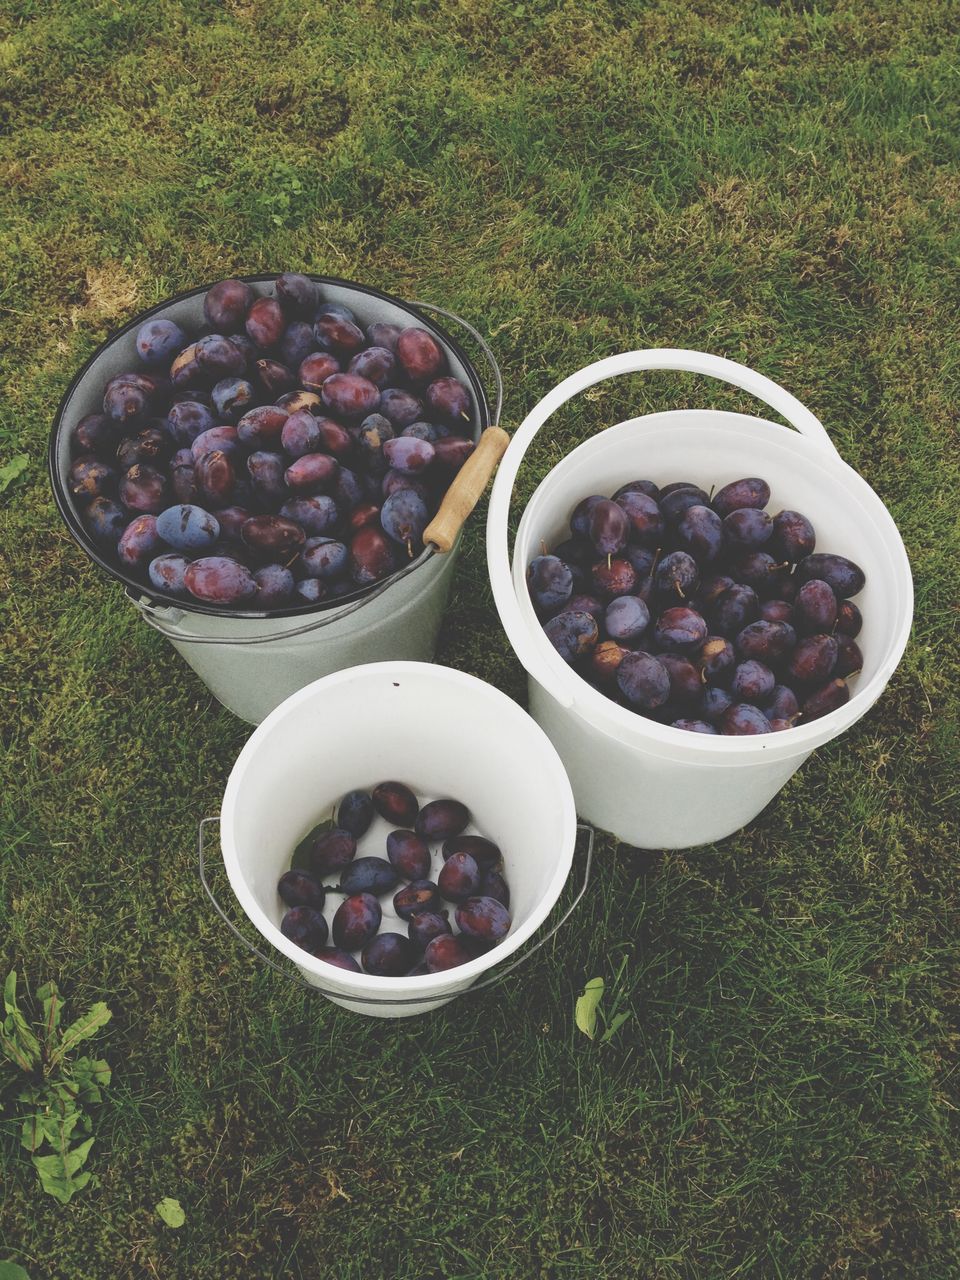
[88, 1024]
[12, 1271]
[16, 1028]
[60, 1174]
[11, 1048]
[12, 469]
[171, 1212]
[65, 1091]
[585, 1013]
[300, 860]
[50, 1127]
[15, 1024]
[90, 1075]
[49, 997]
[59, 1128]
[31, 1135]
[615, 1024]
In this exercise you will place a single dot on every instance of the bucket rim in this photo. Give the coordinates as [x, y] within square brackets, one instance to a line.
[544, 665]
[139, 590]
[424, 984]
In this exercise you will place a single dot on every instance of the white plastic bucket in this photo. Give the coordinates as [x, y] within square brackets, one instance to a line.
[650, 784]
[249, 661]
[442, 732]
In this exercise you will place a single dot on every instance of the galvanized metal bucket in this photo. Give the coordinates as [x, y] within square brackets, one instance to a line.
[251, 661]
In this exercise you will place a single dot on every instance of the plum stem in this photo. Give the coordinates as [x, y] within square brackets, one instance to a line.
[656, 557]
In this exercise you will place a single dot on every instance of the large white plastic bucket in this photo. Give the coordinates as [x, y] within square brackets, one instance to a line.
[442, 732]
[251, 662]
[650, 784]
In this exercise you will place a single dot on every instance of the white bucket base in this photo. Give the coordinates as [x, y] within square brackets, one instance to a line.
[441, 732]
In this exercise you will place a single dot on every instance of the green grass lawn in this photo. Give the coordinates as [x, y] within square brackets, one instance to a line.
[777, 183]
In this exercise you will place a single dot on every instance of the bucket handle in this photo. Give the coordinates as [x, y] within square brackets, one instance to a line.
[440, 534]
[340, 994]
[498, 513]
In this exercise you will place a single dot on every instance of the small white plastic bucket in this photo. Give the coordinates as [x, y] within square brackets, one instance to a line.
[442, 732]
[252, 661]
[650, 784]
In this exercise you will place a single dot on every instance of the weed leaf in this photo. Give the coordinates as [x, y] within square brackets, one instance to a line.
[10, 992]
[15, 1027]
[12, 1271]
[90, 1075]
[12, 1049]
[88, 1024]
[49, 997]
[31, 1135]
[616, 1022]
[60, 1174]
[11, 470]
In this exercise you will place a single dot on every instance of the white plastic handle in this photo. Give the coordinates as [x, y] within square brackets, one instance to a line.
[654, 359]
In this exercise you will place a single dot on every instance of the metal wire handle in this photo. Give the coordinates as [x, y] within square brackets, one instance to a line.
[484, 347]
[339, 993]
[156, 618]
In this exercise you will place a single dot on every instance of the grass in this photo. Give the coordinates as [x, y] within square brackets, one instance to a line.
[777, 183]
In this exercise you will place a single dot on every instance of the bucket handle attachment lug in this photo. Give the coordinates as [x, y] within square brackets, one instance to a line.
[442, 997]
[657, 359]
[439, 536]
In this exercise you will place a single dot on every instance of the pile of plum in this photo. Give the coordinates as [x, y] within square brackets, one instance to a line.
[282, 456]
[470, 878]
[703, 613]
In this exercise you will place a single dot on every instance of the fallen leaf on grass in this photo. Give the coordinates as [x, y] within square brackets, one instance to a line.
[586, 1009]
[171, 1212]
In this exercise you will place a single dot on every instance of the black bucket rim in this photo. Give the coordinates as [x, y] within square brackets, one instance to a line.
[138, 590]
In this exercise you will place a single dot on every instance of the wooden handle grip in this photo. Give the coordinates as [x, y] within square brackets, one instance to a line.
[466, 490]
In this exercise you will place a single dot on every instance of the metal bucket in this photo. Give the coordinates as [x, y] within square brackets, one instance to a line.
[251, 661]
